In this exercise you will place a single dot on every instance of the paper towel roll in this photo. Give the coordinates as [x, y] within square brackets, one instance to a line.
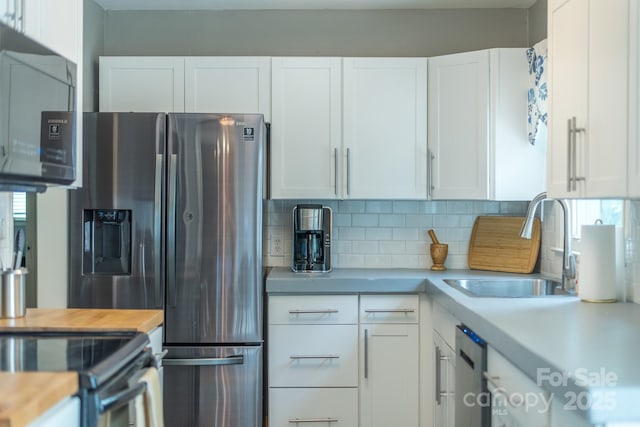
[597, 268]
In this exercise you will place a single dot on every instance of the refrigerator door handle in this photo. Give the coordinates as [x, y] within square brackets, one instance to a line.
[237, 359]
[157, 219]
[171, 248]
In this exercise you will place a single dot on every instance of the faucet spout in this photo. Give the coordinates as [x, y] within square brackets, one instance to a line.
[569, 260]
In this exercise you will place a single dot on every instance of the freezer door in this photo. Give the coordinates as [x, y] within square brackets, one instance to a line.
[214, 263]
[115, 220]
[213, 386]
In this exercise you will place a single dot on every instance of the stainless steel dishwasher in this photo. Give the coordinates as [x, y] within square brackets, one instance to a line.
[473, 404]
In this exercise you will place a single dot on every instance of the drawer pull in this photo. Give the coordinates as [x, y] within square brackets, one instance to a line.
[384, 310]
[327, 311]
[313, 420]
[310, 356]
[512, 399]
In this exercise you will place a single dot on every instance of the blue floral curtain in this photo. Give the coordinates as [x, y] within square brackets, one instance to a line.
[537, 100]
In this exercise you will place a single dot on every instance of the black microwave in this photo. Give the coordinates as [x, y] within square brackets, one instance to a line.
[37, 115]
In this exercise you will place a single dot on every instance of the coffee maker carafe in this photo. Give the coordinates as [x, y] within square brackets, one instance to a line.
[311, 238]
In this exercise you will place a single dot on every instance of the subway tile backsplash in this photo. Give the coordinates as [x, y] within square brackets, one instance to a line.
[385, 233]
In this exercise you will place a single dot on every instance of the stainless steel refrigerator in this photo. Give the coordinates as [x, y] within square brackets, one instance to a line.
[170, 216]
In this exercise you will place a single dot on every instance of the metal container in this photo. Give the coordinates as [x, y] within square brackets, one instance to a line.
[309, 217]
[13, 301]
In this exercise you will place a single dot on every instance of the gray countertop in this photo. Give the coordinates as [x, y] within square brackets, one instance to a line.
[557, 334]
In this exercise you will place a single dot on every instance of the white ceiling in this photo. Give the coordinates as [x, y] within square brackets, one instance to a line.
[307, 4]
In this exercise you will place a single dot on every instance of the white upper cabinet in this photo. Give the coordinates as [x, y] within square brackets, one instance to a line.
[55, 24]
[478, 128]
[141, 84]
[588, 114]
[228, 85]
[306, 137]
[349, 128]
[384, 128]
[634, 101]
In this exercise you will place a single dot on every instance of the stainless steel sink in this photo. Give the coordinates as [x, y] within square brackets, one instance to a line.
[507, 288]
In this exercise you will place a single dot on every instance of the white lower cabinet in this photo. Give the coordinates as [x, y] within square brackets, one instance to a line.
[445, 380]
[444, 408]
[330, 366]
[389, 382]
[313, 356]
[64, 414]
[517, 401]
[333, 407]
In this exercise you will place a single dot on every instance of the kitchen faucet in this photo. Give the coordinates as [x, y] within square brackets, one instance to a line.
[569, 260]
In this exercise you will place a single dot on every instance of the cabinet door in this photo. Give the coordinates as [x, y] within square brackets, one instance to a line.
[389, 380]
[634, 101]
[458, 125]
[385, 129]
[568, 85]
[607, 132]
[142, 84]
[588, 51]
[227, 85]
[306, 136]
[55, 24]
[444, 405]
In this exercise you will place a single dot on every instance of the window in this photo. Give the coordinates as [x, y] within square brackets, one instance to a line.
[20, 207]
[585, 212]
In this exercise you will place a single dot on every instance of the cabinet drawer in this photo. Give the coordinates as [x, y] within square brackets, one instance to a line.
[389, 309]
[516, 397]
[338, 406]
[313, 309]
[313, 355]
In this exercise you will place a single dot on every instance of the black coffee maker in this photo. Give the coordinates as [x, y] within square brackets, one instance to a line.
[311, 238]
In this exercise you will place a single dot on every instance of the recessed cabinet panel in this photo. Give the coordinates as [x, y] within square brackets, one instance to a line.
[589, 89]
[313, 406]
[459, 108]
[478, 142]
[228, 85]
[389, 385]
[385, 110]
[313, 309]
[306, 136]
[142, 84]
[313, 356]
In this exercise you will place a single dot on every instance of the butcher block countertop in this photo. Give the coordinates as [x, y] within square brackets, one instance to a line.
[27, 395]
[24, 396]
[81, 319]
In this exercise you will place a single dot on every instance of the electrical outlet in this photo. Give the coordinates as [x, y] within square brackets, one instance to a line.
[276, 247]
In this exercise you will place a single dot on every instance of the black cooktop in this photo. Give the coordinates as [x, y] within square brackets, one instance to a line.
[94, 356]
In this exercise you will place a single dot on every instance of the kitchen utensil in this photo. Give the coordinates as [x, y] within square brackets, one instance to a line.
[13, 301]
[496, 245]
[18, 248]
[439, 253]
[433, 236]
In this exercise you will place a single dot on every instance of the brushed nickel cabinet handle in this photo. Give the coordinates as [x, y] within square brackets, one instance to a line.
[312, 356]
[335, 171]
[348, 171]
[327, 311]
[569, 150]
[385, 310]
[366, 353]
[312, 420]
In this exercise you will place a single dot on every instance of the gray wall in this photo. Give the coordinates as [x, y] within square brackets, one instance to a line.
[313, 33]
[537, 22]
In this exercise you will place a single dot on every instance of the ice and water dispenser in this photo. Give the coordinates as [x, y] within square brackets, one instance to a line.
[107, 241]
